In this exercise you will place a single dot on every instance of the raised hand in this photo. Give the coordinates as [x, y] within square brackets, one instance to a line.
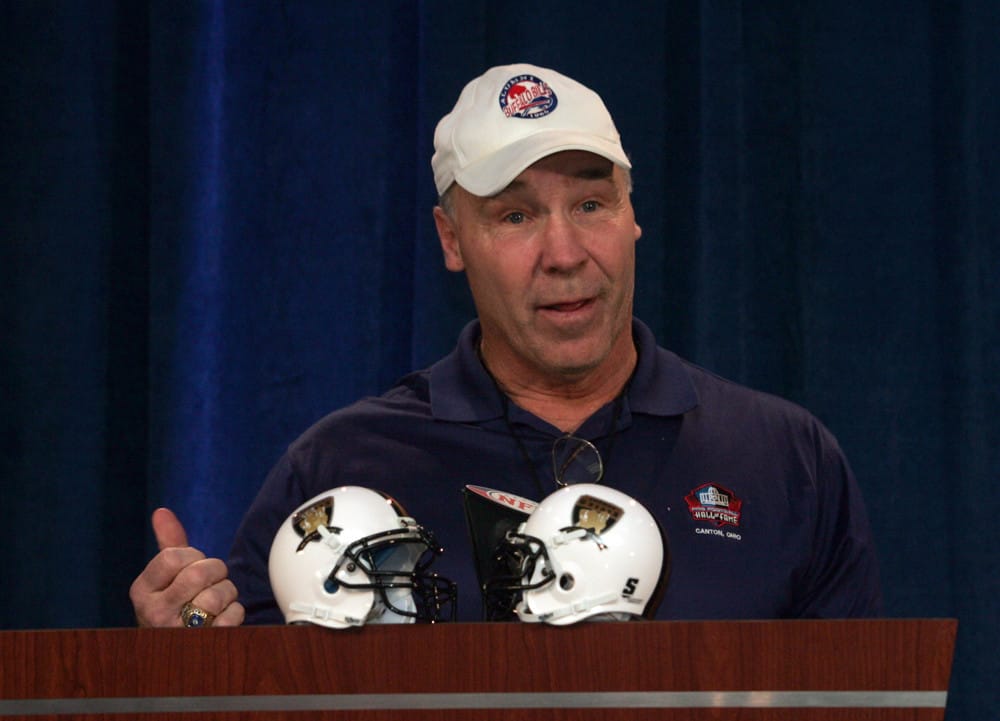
[181, 580]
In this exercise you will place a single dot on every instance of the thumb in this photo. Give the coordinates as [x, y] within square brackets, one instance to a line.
[168, 530]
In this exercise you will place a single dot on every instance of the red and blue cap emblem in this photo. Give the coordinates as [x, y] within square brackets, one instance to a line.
[527, 96]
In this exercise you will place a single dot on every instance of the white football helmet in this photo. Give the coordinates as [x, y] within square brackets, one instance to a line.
[586, 551]
[352, 556]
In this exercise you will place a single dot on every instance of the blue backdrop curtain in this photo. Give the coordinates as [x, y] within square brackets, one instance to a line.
[216, 228]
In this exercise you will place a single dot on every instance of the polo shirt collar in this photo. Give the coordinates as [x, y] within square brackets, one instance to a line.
[660, 385]
[462, 391]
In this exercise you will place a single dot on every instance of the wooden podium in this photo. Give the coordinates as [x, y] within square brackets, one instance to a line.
[748, 670]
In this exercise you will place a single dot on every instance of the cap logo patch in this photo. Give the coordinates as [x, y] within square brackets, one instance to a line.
[595, 515]
[307, 522]
[527, 96]
[712, 503]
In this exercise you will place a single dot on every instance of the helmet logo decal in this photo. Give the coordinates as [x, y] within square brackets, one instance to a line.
[526, 96]
[712, 503]
[595, 515]
[309, 520]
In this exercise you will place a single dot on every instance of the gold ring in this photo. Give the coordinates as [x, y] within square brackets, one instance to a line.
[194, 617]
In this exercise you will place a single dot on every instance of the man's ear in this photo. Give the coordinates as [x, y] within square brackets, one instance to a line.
[448, 235]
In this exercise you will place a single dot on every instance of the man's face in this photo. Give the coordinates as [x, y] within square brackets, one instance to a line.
[551, 264]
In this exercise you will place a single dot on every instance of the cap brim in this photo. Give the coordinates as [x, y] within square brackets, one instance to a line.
[489, 175]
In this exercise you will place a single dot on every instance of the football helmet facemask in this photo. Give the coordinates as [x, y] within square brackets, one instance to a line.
[586, 552]
[352, 556]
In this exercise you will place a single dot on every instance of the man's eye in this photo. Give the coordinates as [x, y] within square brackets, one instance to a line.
[590, 206]
[515, 218]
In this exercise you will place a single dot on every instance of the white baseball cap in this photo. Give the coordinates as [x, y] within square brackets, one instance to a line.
[512, 116]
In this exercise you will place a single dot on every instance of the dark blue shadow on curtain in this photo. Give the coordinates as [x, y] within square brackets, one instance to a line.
[282, 214]
[74, 310]
[216, 228]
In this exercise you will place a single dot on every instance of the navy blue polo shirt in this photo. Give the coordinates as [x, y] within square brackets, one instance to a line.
[762, 514]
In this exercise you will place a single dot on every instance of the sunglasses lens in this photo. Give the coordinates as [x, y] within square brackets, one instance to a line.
[575, 460]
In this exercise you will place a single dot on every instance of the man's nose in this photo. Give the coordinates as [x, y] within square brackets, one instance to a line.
[563, 244]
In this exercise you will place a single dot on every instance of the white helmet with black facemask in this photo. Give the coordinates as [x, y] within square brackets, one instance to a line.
[587, 552]
[352, 556]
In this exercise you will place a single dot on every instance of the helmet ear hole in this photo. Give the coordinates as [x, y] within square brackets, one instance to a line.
[331, 586]
[566, 582]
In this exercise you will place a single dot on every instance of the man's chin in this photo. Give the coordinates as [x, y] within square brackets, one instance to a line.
[576, 360]
[579, 357]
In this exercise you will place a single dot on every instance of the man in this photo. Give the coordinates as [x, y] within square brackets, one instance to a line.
[763, 516]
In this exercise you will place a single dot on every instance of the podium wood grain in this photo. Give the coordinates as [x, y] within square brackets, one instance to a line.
[163, 674]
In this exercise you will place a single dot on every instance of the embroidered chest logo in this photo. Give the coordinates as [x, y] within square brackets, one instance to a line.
[712, 503]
